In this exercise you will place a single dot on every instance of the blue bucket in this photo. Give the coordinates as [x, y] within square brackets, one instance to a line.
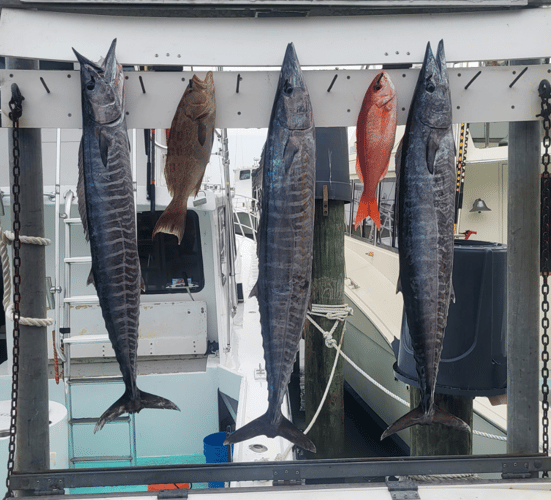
[215, 452]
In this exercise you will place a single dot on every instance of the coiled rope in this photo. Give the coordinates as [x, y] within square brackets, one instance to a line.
[6, 238]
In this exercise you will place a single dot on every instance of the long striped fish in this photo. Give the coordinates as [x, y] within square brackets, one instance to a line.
[285, 239]
[106, 206]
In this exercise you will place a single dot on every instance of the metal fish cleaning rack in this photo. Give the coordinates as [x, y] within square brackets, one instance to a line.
[244, 99]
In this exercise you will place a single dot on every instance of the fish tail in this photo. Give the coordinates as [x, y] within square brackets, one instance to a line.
[126, 404]
[262, 425]
[368, 208]
[419, 417]
[173, 220]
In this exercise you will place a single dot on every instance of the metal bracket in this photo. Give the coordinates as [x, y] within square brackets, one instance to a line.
[49, 487]
[403, 490]
[178, 493]
[286, 476]
[325, 200]
[518, 470]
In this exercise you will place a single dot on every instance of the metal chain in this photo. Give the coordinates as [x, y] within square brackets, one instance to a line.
[15, 113]
[545, 248]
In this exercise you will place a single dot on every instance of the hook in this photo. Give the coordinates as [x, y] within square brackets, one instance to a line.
[239, 78]
[141, 83]
[45, 86]
[332, 82]
[472, 80]
[544, 89]
[519, 75]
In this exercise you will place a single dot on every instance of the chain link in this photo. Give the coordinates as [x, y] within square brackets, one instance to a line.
[545, 248]
[15, 113]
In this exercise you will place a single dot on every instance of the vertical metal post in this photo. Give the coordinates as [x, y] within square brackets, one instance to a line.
[33, 442]
[523, 310]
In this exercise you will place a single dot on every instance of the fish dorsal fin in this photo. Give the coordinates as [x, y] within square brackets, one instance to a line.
[432, 148]
[80, 192]
[201, 133]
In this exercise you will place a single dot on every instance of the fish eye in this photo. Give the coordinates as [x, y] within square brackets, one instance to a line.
[287, 88]
[377, 88]
[430, 87]
[91, 84]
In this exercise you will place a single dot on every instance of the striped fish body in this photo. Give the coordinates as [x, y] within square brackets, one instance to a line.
[106, 206]
[285, 240]
[426, 204]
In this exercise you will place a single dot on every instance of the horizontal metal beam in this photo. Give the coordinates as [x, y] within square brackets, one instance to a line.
[319, 41]
[336, 102]
[513, 466]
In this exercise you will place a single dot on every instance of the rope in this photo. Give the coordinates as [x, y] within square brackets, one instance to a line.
[340, 313]
[337, 313]
[6, 238]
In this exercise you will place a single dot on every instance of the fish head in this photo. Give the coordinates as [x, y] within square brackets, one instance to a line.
[432, 99]
[102, 87]
[199, 100]
[382, 90]
[292, 103]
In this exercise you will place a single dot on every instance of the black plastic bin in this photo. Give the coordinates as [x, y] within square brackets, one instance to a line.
[474, 357]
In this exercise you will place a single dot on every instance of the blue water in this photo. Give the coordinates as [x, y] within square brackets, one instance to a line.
[141, 461]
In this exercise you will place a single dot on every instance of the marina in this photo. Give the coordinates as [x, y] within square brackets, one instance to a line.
[222, 312]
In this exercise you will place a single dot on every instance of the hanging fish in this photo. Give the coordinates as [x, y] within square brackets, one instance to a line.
[189, 147]
[426, 205]
[106, 206]
[375, 133]
[285, 245]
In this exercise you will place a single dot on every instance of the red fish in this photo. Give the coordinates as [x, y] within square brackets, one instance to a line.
[375, 134]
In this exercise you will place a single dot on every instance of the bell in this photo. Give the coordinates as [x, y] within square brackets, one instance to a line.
[480, 206]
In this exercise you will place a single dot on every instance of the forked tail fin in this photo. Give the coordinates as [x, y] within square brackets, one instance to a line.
[419, 417]
[125, 404]
[173, 220]
[368, 208]
[262, 425]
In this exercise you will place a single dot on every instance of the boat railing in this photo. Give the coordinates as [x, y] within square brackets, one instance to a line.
[245, 215]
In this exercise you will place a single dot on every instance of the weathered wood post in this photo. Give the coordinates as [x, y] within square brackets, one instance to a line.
[33, 439]
[327, 288]
[438, 439]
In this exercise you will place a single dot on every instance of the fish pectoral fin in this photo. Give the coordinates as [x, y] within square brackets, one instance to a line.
[142, 284]
[399, 284]
[452, 295]
[201, 133]
[90, 280]
[433, 143]
[103, 146]
[254, 291]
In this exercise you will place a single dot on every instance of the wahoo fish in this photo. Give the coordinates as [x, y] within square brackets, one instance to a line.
[426, 204]
[106, 206]
[189, 146]
[375, 133]
[285, 245]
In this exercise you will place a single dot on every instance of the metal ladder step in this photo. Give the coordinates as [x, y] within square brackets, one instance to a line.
[93, 380]
[75, 460]
[87, 420]
[82, 299]
[73, 220]
[77, 260]
[86, 339]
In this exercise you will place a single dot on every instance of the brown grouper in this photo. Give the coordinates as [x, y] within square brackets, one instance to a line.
[426, 207]
[106, 206]
[285, 245]
[189, 146]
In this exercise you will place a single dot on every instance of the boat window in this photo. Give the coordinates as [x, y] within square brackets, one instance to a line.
[489, 135]
[244, 175]
[166, 266]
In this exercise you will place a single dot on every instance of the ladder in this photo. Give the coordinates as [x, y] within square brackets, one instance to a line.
[63, 308]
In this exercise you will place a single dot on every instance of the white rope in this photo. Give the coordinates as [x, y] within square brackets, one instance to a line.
[6, 238]
[337, 313]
